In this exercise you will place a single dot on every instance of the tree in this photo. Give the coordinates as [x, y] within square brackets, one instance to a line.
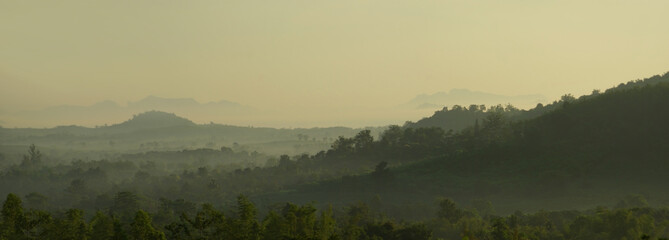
[274, 227]
[37, 224]
[363, 140]
[414, 232]
[326, 225]
[391, 136]
[567, 99]
[302, 219]
[33, 159]
[386, 230]
[125, 203]
[343, 146]
[13, 218]
[119, 232]
[500, 230]
[102, 226]
[142, 229]
[245, 226]
[207, 223]
[73, 226]
[358, 215]
[286, 164]
[447, 210]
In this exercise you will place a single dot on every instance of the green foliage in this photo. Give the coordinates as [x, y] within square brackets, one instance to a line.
[119, 232]
[500, 230]
[326, 226]
[142, 229]
[414, 232]
[71, 226]
[13, 219]
[102, 226]
[206, 224]
[300, 222]
[245, 226]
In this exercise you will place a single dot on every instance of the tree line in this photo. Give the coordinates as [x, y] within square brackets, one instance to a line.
[355, 222]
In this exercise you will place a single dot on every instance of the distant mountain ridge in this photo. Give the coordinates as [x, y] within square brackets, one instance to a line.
[158, 103]
[465, 97]
[109, 111]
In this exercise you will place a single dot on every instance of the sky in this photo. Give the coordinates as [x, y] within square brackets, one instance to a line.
[320, 62]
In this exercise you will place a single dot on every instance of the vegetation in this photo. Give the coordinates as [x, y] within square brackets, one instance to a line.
[290, 221]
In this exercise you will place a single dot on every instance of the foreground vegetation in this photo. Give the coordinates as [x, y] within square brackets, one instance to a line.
[290, 221]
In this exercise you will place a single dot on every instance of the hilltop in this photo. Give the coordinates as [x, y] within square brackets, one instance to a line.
[153, 119]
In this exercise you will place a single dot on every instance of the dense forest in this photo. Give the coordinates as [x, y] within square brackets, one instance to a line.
[592, 167]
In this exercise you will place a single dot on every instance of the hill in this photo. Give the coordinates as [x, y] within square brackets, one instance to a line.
[152, 119]
[583, 152]
[459, 117]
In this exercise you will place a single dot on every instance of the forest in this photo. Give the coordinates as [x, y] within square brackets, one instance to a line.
[592, 167]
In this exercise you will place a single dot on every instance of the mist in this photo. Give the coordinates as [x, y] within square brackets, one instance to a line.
[348, 119]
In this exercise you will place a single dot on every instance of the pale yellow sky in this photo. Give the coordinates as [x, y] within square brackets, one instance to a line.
[307, 56]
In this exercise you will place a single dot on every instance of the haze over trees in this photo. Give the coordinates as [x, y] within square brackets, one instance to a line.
[592, 167]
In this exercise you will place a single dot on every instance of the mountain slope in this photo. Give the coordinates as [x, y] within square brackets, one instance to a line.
[459, 117]
[585, 152]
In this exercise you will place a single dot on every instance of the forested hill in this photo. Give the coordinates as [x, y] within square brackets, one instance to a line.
[459, 117]
[151, 119]
[586, 152]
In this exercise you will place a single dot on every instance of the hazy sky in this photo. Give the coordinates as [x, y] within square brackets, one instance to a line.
[315, 55]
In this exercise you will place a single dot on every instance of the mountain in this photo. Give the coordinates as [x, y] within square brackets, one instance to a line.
[186, 104]
[465, 97]
[153, 119]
